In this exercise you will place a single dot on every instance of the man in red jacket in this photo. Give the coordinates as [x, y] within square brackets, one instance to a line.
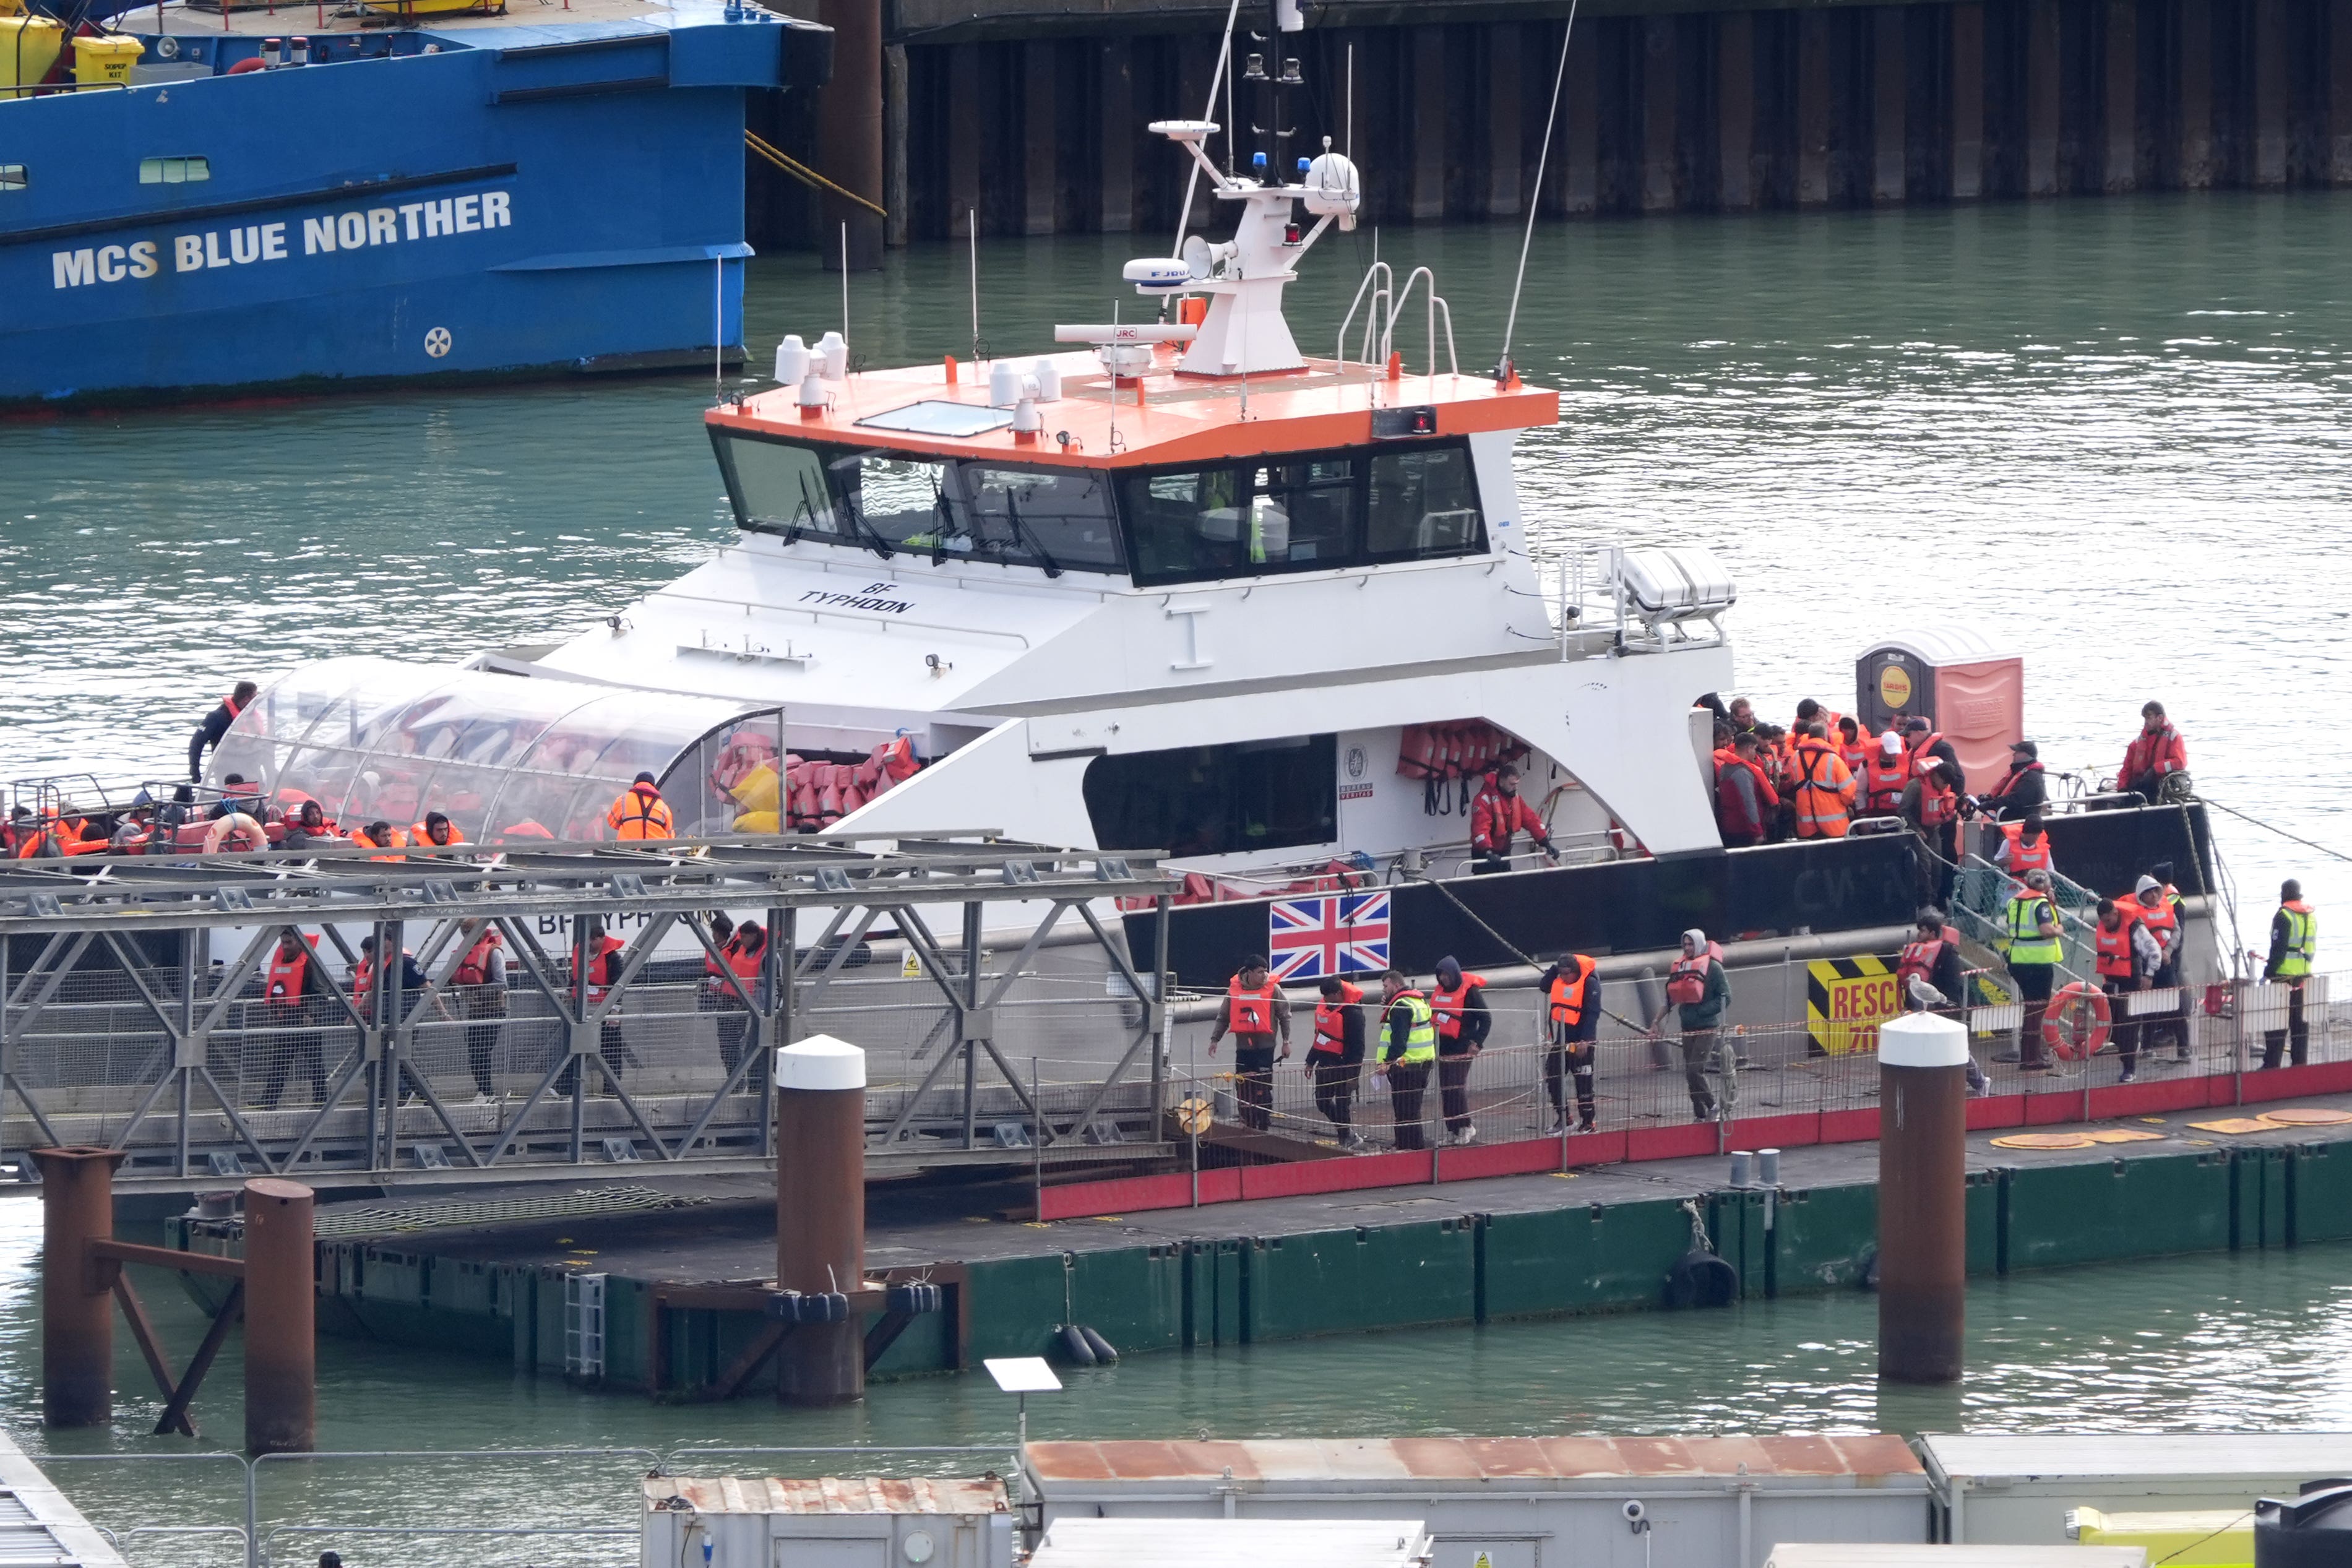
[1497, 816]
[1745, 799]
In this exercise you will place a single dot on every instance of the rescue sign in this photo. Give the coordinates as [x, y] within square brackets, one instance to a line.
[1845, 1001]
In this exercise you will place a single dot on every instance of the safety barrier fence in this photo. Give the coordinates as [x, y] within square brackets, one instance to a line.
[1248, 1135]
[489, 1507]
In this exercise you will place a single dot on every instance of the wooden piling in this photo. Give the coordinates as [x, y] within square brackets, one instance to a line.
[849, 134]
[1735, 111]
[2122, 159]
[1889, 87]
[1966, 147]
[77, 1311]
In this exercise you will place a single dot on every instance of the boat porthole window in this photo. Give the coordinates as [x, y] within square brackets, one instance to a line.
[184, 171]
[11, 176]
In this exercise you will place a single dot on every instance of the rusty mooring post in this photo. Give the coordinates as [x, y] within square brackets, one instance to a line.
[821, 1214]
[77, 1311]
[281, 1359]
[1923, 1124]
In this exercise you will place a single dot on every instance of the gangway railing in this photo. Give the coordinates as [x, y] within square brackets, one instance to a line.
[134, 1012]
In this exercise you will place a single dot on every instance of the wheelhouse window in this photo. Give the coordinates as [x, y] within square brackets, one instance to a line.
[1218, 800]
[883, 500]
[12, 177]
[1302, 514]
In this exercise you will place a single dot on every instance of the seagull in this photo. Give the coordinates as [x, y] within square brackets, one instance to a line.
[1924, 997]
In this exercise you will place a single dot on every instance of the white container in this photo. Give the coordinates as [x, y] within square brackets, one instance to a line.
[1683, 580]
[832, 355]
[1524, 1502]
[1224, 1542]
[1846, 1554]
[1004, 384]
[2016, 1489]
[871, 1522]
[1048, 380]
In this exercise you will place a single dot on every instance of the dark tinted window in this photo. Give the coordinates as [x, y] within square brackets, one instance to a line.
[1060, 516]
[1424, 502]
[1301, 515]
[1218, 800]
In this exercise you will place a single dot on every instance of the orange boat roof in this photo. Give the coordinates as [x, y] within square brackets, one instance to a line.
[1161, 417]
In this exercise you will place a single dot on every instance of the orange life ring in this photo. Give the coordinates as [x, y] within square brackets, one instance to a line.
[2059, 1024]
[248, 832]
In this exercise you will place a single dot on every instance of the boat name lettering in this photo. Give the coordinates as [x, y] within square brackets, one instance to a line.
[353, 230]
[866, 598]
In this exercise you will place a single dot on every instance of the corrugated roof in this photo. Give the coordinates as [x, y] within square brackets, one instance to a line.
[2258, 1455]
[1219, 1543]
[1867, 1456]
[829, 1494]
[1888, 1554]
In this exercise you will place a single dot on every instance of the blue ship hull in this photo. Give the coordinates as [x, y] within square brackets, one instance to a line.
[499, 201]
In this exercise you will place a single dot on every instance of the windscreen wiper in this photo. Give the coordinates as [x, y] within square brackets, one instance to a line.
[1013, 511]
[867, 531]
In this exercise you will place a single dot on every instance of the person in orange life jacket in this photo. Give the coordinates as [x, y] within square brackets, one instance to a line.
[2035, 945]
[1921, 741]
[1497, 816]
[2294, 948]
[1335, 1060]
[1931, 806]
[479, 981]
[216, 725]
[1700, 990]
[639, 811]
[2157, 905]
[20, 827]
[310, 827]
[436, 832]
[1812, 712]
[2156, 753]
[604, 967]
[2024, 846]
[1745, 801]
[1884, 775]
[2126, 959]
[1408, 1048]
[294, 991]
[1257, 1014]
[1932, 957]
[2024, 790]
[1825, 788]
[381, 835]
[1742, 714]
[1722, 752]
[1854, 746]
[745, 952]
[1778, 756]
[136, 829]
[1459, 1001]
[412, 986]
[1570, 993]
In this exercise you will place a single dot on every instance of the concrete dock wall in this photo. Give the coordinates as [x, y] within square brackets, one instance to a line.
[1032, 117]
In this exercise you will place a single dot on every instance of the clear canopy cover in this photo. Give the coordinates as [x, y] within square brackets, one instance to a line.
[501, 755]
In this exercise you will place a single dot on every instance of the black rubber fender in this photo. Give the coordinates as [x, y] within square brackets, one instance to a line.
[1105, 1353]
[1870, 1271]
[1701, 1279]
[784, 1307]
[1075, 1346]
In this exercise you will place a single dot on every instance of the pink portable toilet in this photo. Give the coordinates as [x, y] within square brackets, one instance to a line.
[1971, 691]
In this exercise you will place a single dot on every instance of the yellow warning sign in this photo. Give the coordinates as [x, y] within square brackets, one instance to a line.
[1845, 1001]
[1483, 1562]
[1894, 686]
[911, 967]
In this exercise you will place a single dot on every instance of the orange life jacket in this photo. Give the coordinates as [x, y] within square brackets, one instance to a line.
[1568, 997]
[1447, 1005]
[1251, 1011]
[393, 839]
[1331, 1020]
[1919, 754]
[601, 968]
[1884, 780]
[1938, 806]
[641, 813]
[285, 983]
[2021, 859]
[2116, 947]
[474, 969]
[1687, 981]
[416, 835]
[1920, 958]
[1824, 798]
[1853, 754]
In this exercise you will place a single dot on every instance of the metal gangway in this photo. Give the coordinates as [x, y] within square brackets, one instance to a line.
[990, 983]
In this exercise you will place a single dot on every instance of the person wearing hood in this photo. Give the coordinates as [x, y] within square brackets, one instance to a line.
[2157, 905]
[2024, 790]
[1459, 1001]
[1701, 991]
[310, 827]
[1571, 1000]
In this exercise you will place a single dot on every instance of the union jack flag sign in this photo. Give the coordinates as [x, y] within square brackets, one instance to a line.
[1338, 933]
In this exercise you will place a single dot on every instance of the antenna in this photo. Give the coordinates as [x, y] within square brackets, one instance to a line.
[1534, 197]
[1217, 80]
[1114, 375]
[971, 232]
[718, 331]
[844, 282]
[1348, 141]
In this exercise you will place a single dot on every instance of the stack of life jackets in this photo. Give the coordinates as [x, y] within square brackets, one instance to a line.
[814, 795]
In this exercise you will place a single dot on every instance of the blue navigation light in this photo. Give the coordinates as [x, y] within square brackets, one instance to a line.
[1302, 166]
[1257, 162]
